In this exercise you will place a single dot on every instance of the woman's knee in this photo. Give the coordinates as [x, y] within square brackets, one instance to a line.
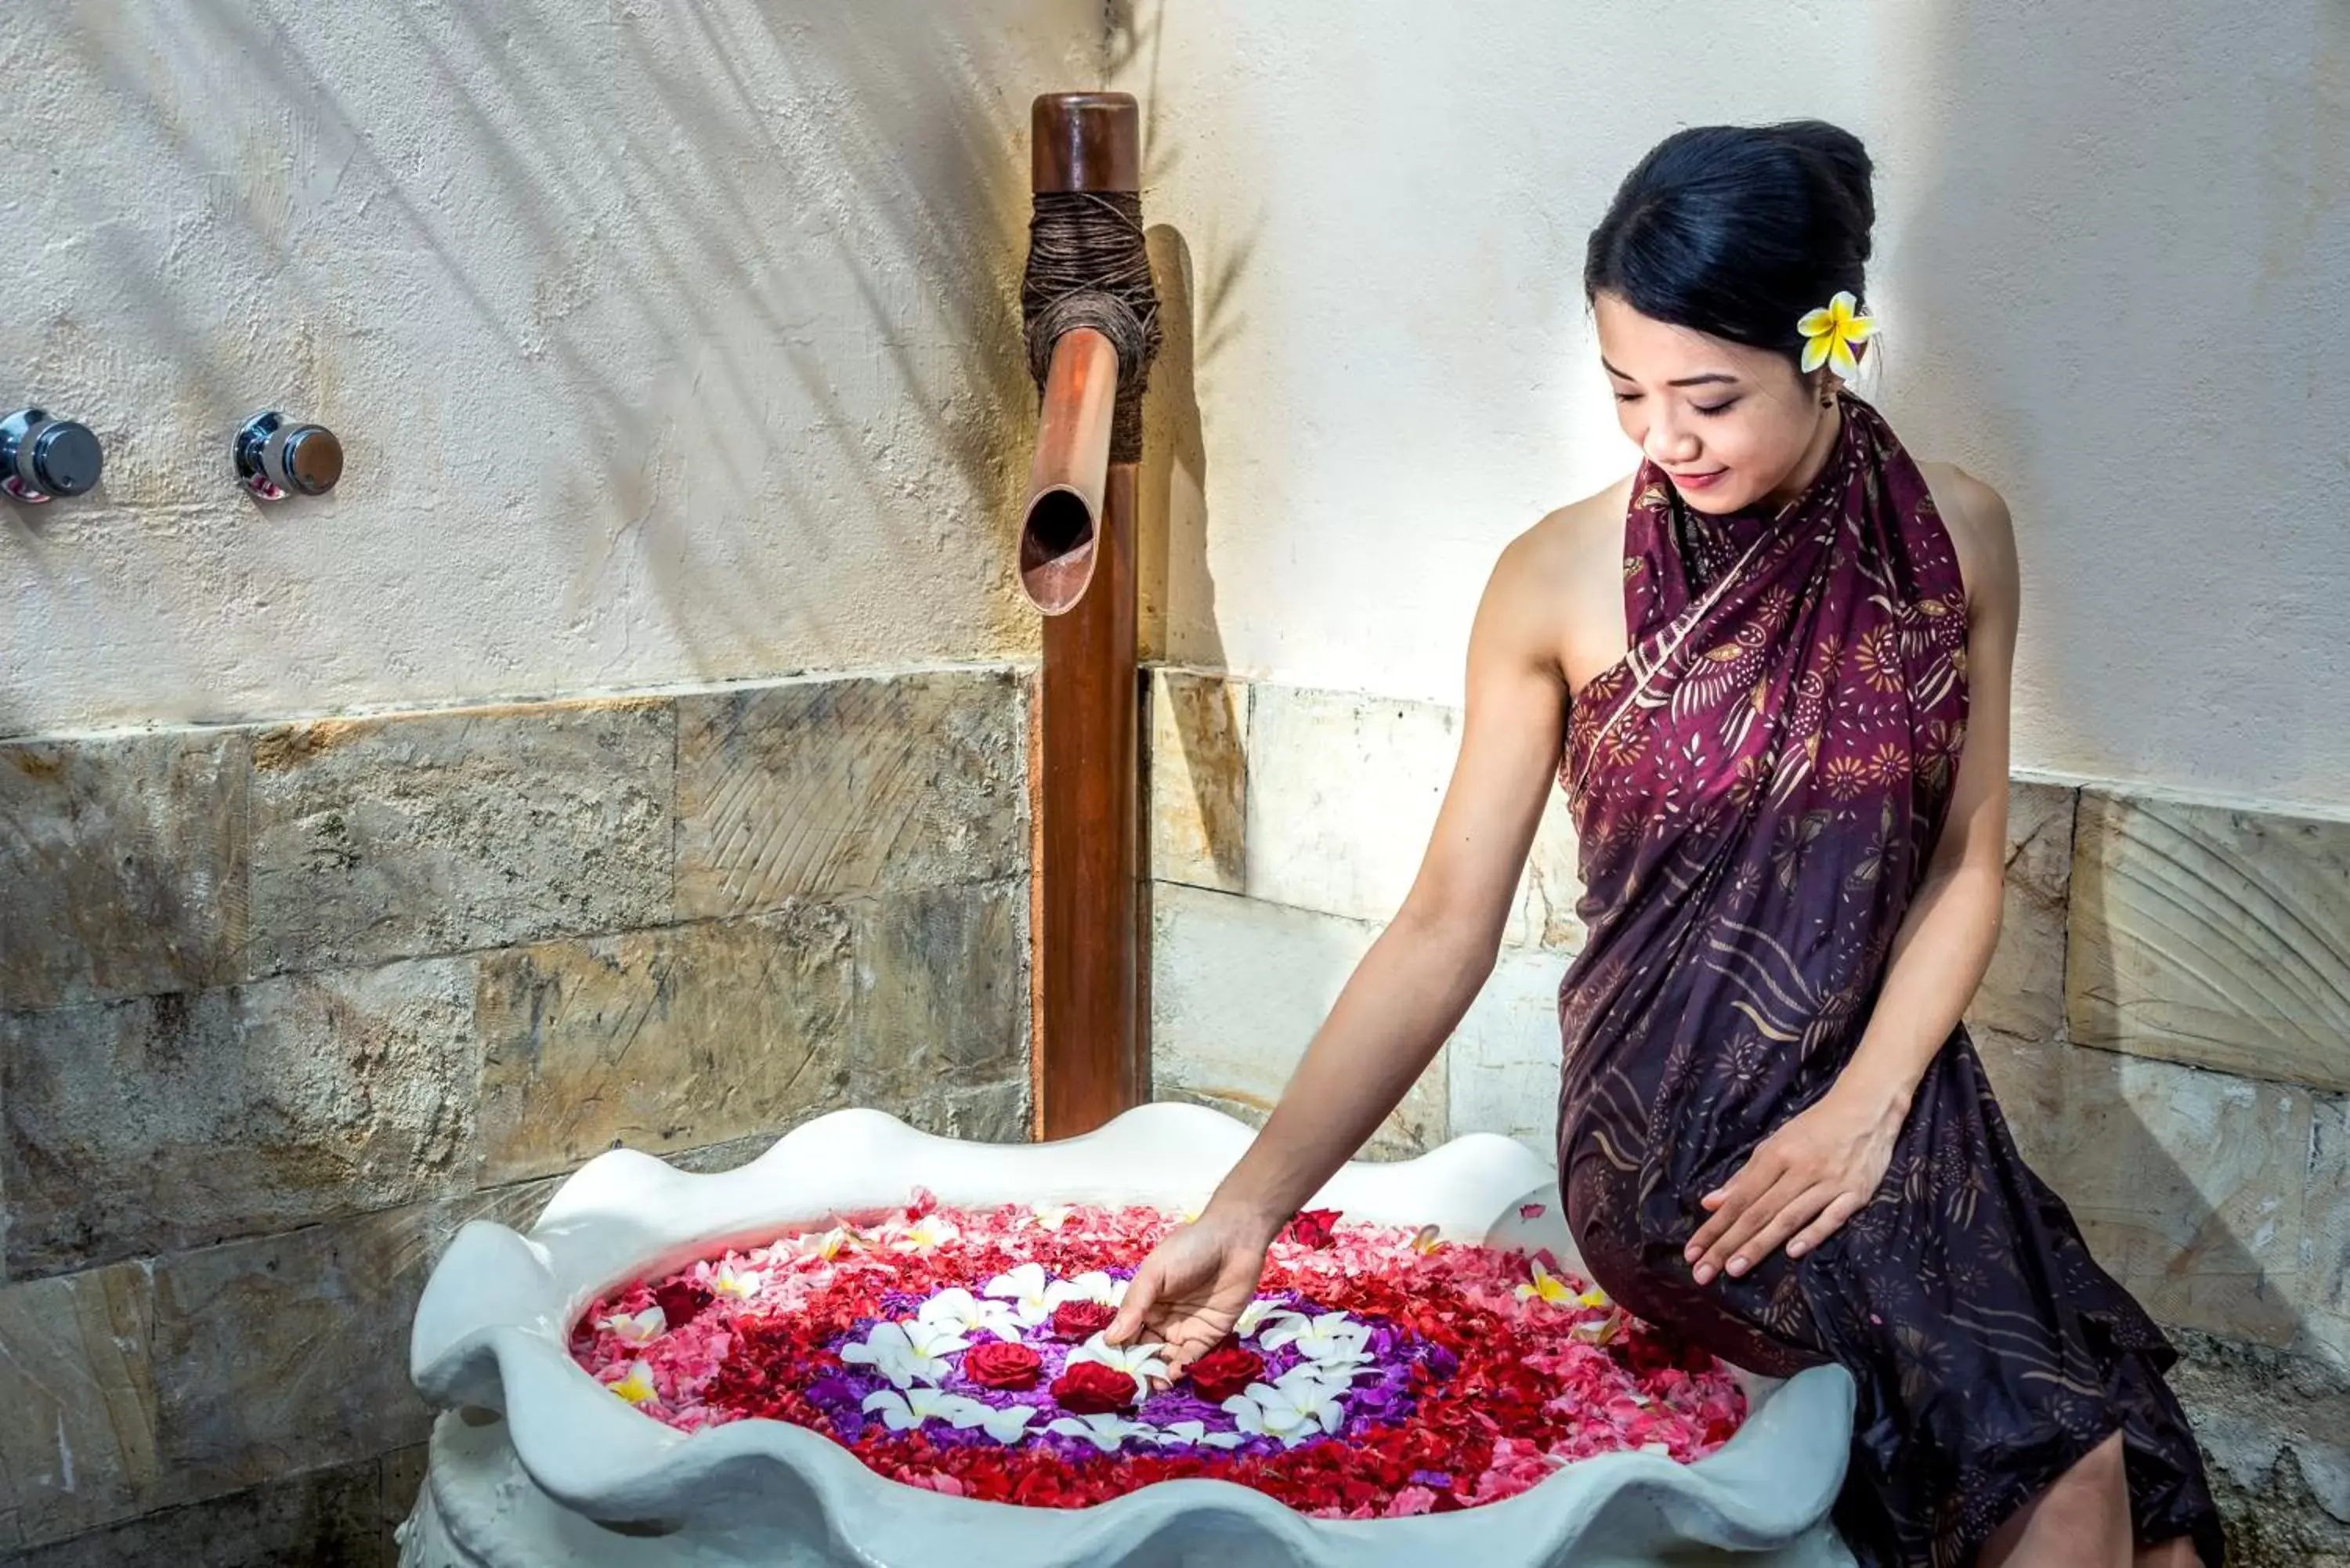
[2100, 1465]
[2089, 1500]
[2096, 1477]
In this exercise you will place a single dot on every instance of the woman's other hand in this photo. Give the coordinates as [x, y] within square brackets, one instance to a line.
[1190, 1289]
[1802, 1183]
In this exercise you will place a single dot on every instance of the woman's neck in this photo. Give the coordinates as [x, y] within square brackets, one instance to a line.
[1815, 457]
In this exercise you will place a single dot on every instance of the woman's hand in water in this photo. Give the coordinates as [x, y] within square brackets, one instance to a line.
[1190, 1289]
[1803, 1181]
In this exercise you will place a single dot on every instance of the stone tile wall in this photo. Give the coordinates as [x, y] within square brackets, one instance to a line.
[282, 1006]
[2167, 1022]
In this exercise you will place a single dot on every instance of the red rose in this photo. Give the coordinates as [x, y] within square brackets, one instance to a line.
[1312, 1226]
[1001, 1364]
[1221, 1374]
[1093, 1388]
[1080, 1320]
[682, 1301]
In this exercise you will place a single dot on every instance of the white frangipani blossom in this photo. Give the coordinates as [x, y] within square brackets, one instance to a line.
[636, 1328]
[1008, 1425]
[826, 1247]
[1253, 1315]
[637, 1387]
[1051, 1216]
[903, 1411]
[1139, 1361]
[1333, 1377]
[1030, 1290]
[907, 1352]
[1105, 1432]
[1292, 1412]
[741, 1285]
[922, 1235]
[959, 1310]
[1332, 1338]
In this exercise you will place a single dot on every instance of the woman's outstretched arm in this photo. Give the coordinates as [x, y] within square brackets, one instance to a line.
[1411, 988]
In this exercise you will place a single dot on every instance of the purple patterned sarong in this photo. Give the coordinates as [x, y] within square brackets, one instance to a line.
[1758, 785]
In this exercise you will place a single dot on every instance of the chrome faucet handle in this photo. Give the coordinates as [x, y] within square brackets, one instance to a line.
[42, 458]
[276, 457]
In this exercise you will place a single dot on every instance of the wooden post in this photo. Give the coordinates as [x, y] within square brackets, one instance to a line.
[1091, 1062]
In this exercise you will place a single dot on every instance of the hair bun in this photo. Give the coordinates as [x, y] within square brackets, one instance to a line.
[1739, 231]
[1846, 162]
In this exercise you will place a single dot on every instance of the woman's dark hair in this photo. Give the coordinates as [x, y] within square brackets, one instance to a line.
[1736, 230]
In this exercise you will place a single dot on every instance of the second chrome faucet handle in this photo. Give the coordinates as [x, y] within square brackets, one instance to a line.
[276, 457]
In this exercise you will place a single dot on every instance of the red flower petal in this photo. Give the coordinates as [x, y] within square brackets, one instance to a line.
[1002, 1364]
[682, 1301]
[1077, 1322]
[1222, 1373]
[1094, 1388]
[1312, 1226]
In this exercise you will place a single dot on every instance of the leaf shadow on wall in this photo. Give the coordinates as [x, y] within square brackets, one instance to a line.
[1201, 314]
[766, 257]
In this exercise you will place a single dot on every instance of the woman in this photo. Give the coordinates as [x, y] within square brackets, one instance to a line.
[1771, 669]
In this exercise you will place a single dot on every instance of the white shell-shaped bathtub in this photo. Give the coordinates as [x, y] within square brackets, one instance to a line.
[532, 1462]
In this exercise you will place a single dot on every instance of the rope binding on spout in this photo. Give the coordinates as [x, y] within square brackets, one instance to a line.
[1088, 267]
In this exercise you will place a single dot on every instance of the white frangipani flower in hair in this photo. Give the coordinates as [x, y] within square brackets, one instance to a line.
[1029, 1289]
[636, 1328]
[959, 1310]
[908, 1352]
[1292, 1412]
[1832, 332]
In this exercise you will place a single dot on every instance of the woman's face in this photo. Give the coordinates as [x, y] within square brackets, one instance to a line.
[1729, 423]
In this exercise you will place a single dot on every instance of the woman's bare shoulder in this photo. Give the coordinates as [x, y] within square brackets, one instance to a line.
[1579, 539]
[1565, 575]
[1966, 500]
[1980, 527]
[1596, 520]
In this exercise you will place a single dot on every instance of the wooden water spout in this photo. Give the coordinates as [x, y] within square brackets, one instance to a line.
[1068, 483]
[1077, 565]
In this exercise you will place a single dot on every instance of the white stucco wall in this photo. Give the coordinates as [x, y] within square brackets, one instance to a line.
[2113, 256]
[667, 341]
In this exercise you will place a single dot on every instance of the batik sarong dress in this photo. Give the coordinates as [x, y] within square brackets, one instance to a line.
[1758, 785]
